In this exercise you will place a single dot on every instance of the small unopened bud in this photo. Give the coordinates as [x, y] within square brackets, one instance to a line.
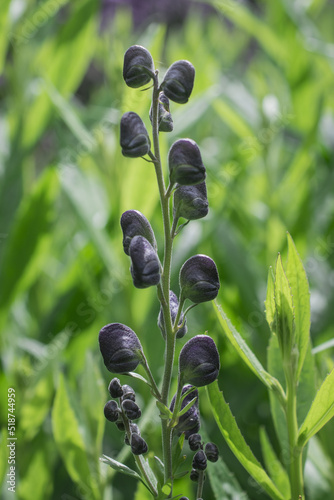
[194, 475]
[195, 442]
[128, 392]
[120, 348]
[185, 163]
[165, 119]
[134, 139]
[115, 388]
[133, 429]
[138, 444]
[179, 81]
[138, 68]
[199, 361]
[184, 498]
[145, 265]
[211, 452]
[134, 223]
[189, 422]
[174, 305]
[191, 202]
[131, 409]
[111, 411]
[199, 460]
[199, 279]
[120, 425]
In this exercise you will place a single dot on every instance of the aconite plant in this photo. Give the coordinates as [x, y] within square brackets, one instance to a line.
[198, 363]
[298, 411]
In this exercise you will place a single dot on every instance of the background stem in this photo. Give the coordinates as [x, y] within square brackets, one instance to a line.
[296, 465]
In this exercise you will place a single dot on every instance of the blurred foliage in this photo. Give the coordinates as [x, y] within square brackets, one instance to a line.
[262, 112]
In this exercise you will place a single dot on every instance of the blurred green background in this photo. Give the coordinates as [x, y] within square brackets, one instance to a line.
[262, 112]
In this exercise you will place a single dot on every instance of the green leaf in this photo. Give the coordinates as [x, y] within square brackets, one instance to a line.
[39, 467]
[321, 411]
[235, 440]
[119, 467]
[270, 299]
[4, 25]
[284, 324]
[274, 362]
[177, 457]
[93, 396]
[36, 405]
[297, 278]
[33, 222]
[223, 483]
[245, 352]
[187, 407]
[164, 410]
[274, 467]
[69, 440]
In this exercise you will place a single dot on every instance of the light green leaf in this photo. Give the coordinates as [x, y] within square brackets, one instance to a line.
[297, 278]
[270, 299]
[33, 222]
[39, 467]
[235, 440]
[321, 411]
[223, 483]
[36, 405]
[246, 353]
[177, 453]
[164, 410]
[119, 467]
[274, 363]
[284, 324]
[69, 440]
[187, 407]
[274, 467]
[93, 396]
[4, 25]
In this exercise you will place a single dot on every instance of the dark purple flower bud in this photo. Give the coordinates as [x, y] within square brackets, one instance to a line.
[115, 388]
[120, 425]
[165, 119]
[199, 460]
[185, 163]
[199, 279]
[191, 202]
[134, 429]
[111, 411]
[131, 409]
[184, 498]
[134, 223]
[179, 81]
[134, 139]
[138, 68]
[128, 392]
[138, 444]
[189, 422]
[195, 442]
[120, 348]
[211, 452]
[174, 305]
[145, 265]
[199, 361]
[194, 475]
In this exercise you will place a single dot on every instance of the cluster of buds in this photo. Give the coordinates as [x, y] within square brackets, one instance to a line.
[203, 454]
[123, 412]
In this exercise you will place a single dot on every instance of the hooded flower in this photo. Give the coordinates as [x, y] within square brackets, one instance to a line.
[199, 361]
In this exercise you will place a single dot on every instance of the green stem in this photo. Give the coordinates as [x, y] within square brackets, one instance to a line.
[200, 484]
[296, 462]
[138, 458]
[165, 281]
[154, 386]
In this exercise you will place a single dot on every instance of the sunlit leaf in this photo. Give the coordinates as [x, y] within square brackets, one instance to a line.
[235, 440]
